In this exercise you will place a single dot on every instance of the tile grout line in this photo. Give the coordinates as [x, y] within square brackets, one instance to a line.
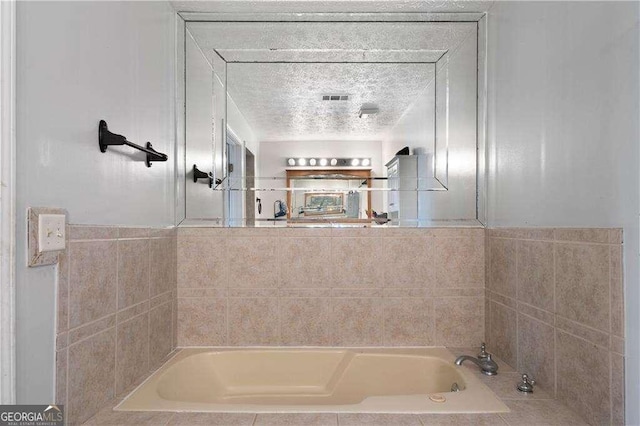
[518, 356]
[149, 300]
[612, 249]
[555, 330]
[68, 303]
[503, 419]
[489, 286]
[332, 334]
[114, 314]
[568, 333]
[115, 355]
[174, 291]
[610, 299]
[383, 319]
[531, 317]
[578, 323]
[596, 243]
[278, 274]
[227, 309]
[610, 389]
[173, 414]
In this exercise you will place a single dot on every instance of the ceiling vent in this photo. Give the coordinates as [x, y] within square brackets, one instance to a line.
[335, 97]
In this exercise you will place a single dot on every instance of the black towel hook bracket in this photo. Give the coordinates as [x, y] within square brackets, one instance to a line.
[197, 174]
[106, 138]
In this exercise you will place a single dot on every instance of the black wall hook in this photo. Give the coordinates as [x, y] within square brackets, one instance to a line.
[197, 174]
[106, 138]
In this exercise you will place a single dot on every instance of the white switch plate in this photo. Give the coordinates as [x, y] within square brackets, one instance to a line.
[51, 232]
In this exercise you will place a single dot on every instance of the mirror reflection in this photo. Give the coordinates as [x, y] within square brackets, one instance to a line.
[334, 195]
[332, 122]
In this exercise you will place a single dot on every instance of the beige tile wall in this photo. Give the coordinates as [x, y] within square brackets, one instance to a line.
[555, 310]
[552, 306]
[330, 286]
[116, 312]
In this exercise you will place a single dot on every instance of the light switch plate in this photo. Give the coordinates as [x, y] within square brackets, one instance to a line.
[51, 232]
[37, 257]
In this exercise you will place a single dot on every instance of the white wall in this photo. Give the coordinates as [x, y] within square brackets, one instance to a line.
[271, 162]
[77, 63]
[563, 130]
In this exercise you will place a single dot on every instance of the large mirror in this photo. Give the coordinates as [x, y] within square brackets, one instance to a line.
[340, 122]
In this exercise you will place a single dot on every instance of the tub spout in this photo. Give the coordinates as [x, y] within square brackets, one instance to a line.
[486, 365]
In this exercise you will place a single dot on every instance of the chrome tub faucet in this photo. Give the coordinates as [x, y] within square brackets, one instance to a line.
[484, 361]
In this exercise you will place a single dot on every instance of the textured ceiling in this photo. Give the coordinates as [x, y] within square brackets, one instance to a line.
[283, 101]
[384, 63]
[379, 36]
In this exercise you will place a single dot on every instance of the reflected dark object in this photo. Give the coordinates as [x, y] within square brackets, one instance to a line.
[279, 209]
[197, 174]
[381, 218]
[403, 151]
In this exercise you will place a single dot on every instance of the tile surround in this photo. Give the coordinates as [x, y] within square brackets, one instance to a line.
[160, 342]
[535, 276]
[133, 272]
[92, 280]
[460, 261]
[367, 419]
[617, 389]
[330, 286]
[459, 321]
[114, 313]
[288, 291]
[253, 321]
[202, 321]
[307, 320]
[545, 412]
[357, 321]
[409, 321]
[582, 283]
[88, 387]
[303, 262]
[570, 314]
[583, 377]
[162, 278]
[503, 330]
[537, 354]
[296, 419]
[462, 420]
[503, 267]
[212, 419]
[132, 351]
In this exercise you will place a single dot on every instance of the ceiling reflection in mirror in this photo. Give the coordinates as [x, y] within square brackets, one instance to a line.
[367, 123]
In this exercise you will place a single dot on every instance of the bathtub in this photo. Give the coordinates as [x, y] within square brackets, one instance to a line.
[261, 380]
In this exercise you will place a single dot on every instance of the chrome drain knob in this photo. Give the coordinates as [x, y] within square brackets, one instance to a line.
[526, 385]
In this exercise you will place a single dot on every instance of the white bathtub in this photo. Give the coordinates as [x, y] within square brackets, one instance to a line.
[313, 380]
